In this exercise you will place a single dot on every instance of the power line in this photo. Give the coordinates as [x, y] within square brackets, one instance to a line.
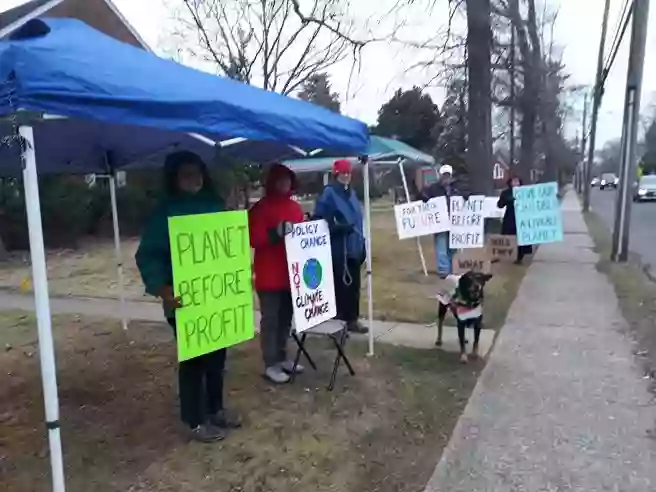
[618, 26]
[622, 26]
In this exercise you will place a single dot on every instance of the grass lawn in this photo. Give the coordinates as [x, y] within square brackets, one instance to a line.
[401, 291]
[636, 294]
[381, 430]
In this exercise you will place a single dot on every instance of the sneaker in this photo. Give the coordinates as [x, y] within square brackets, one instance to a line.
[288, 367]
[276, 375]
[206, 433]
[225, 419]
[356, 327]
[464, 359]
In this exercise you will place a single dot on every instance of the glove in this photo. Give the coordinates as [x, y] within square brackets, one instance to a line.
[284, 228]
[342, 228]
[278, 233]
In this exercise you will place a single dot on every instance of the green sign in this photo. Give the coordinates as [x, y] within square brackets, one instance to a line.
[211, 258]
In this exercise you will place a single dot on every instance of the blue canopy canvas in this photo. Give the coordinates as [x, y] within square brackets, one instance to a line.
[123, 104]
[137, 104]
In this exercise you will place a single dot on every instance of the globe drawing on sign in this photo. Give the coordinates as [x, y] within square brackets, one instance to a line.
[312, 273]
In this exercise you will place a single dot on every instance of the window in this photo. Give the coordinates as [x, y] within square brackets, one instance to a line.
[498, 172]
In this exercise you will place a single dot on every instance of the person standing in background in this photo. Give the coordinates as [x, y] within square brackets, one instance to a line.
[189, 191]
[339, 206]
[269, 220]
[447, 188]
[509, 223]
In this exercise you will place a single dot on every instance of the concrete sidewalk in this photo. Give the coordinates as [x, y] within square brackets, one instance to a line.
[394, 333]
[561, 404]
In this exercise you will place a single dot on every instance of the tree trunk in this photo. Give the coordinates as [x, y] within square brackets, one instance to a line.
[3, 250]
[479, 114]
[529, 98]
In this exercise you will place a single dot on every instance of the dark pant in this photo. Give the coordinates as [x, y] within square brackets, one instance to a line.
[347, 290]
[522, 251]
[200, 382]
[277, 313]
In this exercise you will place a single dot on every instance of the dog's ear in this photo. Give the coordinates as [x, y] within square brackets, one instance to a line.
[486, 277]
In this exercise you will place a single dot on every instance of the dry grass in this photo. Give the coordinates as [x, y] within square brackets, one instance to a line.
[381, 430]
[401, 291]
[89, 271]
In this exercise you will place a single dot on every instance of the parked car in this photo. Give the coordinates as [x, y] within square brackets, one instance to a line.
[594, 182]
[608, 180]
[645, 189]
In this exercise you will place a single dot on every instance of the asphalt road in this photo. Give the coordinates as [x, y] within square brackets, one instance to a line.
[643, 222]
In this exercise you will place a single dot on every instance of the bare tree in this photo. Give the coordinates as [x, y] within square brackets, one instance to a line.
[479, 117]
[275, 44]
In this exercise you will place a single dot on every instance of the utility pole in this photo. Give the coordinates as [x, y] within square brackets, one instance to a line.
[512, 95]
[584, 138]
[596, 102]
[621, 231]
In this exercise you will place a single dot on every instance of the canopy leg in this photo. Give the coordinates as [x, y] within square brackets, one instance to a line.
[42, 303]
[117, 250]
[407, 198]
[370, 291]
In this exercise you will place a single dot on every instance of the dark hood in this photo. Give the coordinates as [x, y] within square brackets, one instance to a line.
[276, 172]
[172, 165]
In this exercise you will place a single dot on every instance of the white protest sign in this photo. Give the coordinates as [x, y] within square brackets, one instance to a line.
[467, 222]
[490, 208]
[421, 218]
[310, 267]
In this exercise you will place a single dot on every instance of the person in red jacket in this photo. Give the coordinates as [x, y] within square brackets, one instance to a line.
[269, 220]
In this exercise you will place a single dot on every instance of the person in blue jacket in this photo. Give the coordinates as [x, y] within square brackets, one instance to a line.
[189, 191]
[339, 206]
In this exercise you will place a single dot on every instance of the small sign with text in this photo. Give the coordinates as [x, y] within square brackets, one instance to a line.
[467, 222]
[502, 247]
[421, 218]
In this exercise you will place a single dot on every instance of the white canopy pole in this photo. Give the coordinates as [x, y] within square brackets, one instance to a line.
[407, 198]
[117, 249]
[42, 304]
[370, 291]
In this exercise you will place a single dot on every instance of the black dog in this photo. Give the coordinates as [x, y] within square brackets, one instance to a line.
[466, 305]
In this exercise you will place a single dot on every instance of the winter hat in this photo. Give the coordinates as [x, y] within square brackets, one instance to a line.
[446, 169]
[342, 166]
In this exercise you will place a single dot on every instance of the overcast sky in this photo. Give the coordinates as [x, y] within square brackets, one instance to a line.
[384, 66]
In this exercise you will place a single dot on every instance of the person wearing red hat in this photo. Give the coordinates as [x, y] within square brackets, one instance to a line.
[269, 220]
[339, 206]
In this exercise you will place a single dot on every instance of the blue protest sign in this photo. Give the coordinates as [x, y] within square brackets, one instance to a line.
[537, 213]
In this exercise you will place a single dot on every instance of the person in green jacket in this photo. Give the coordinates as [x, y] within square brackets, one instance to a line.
[189, 190]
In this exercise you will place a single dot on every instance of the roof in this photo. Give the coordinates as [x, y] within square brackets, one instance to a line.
[381, 150]
[125, 99]
[102, 15]
[383, 147]
[17, 13]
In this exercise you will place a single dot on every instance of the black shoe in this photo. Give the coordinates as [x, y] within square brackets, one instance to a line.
[356, 327]
[206, 434]
[225, 419]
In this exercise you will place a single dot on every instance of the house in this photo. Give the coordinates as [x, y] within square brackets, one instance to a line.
[500, 172]
[102, 15]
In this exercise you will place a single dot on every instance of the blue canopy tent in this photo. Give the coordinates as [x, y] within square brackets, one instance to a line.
[381, 151]
[110, 97]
